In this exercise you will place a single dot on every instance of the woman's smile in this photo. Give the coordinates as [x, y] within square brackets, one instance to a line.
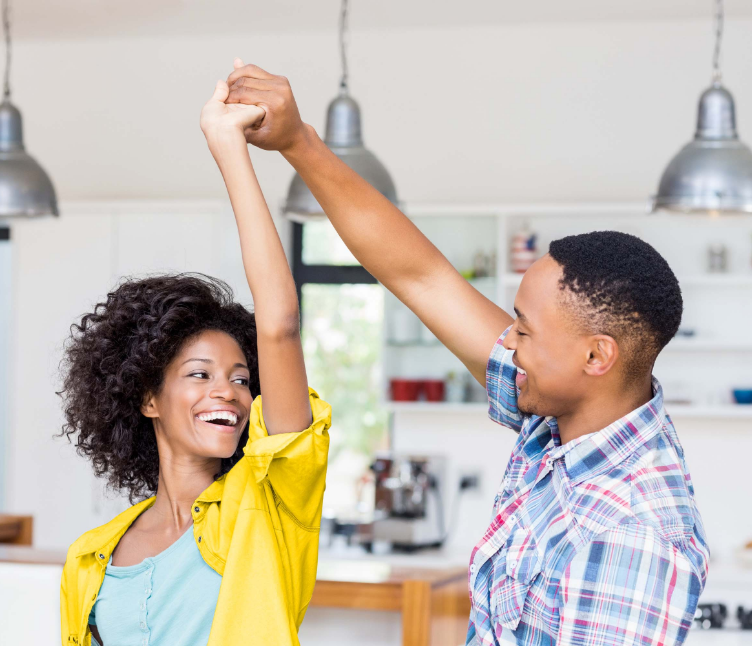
[224, 420]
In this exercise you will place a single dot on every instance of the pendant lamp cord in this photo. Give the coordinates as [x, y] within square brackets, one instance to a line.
[342, 46]
[6, 30]
[718, 37]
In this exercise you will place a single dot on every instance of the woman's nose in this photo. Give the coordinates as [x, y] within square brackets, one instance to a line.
[223, 390]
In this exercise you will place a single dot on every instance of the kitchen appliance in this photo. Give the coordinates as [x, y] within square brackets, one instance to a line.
[717, 624]
[409, 511]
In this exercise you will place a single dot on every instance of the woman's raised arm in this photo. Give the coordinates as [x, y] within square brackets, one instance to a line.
[282, 374]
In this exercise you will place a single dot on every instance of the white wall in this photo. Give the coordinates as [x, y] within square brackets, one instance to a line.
[517, 114]
[61, 268]
[526, 113]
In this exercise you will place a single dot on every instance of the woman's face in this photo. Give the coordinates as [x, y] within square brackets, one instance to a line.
[204, 403]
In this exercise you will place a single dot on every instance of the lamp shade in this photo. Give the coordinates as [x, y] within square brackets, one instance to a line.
[25, 189]
[712, 173]
[344, 137]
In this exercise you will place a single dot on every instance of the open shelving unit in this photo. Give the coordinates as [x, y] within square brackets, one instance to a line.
[718, 306]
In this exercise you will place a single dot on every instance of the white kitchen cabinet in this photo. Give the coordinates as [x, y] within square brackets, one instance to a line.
[717, 306]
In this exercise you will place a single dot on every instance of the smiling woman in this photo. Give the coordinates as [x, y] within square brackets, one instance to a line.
[120, 398]
[163, 391]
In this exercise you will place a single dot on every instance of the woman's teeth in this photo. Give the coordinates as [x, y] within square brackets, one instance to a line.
[521, 371]
[219, 415]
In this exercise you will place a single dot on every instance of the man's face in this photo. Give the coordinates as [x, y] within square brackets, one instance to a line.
[548, 346]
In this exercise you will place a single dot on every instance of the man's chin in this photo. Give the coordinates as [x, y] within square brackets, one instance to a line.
[527, 407]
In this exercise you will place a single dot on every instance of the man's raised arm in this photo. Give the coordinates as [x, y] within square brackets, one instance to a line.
[378, 234]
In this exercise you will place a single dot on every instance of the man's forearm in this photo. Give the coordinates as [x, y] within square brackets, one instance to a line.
[379, 235]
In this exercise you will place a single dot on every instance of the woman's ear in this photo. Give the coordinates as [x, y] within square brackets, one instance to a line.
[604, 351]
[149, 407]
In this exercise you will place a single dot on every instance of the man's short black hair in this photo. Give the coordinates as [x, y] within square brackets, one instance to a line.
[619, 285]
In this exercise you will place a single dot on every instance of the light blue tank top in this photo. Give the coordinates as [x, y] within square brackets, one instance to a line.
[169, 598]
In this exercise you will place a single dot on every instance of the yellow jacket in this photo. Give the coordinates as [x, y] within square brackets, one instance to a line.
[257, 526]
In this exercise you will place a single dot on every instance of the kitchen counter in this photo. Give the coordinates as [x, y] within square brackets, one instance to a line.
[413, 599]
[433, 601]
[429, 595]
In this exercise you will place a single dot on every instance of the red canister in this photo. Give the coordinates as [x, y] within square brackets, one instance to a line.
[434, 389]
[405, 390]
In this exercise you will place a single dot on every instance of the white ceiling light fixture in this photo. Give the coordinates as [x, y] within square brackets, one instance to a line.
[713, 173]
[344, 137]
[25, 189]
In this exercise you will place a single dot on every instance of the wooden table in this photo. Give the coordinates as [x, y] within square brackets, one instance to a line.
[16, 530]
[434, 603]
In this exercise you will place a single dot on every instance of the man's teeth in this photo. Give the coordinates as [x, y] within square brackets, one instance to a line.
[521, 371]
[219, 414]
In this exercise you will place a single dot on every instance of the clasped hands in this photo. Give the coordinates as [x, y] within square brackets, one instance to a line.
[256, 103]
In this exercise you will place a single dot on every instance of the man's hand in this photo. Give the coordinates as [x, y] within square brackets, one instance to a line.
[282, 126]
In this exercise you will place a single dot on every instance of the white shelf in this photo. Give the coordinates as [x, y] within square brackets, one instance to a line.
[717, 280]
[436, 407]
[574, 209]
[699, 280]
[698, 344]
[725, 411]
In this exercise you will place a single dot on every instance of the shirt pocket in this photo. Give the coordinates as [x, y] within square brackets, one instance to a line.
[513, 577]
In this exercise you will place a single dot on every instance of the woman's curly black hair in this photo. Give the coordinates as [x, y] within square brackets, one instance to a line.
[118, 354]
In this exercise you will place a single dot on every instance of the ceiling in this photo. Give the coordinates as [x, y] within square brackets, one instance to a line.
[108, 18]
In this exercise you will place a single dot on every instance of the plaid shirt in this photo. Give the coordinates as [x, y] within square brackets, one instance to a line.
[597, 542]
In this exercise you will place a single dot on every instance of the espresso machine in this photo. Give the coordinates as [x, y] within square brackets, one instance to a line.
[409, 501]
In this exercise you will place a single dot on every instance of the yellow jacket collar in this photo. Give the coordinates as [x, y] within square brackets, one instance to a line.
[104, 539]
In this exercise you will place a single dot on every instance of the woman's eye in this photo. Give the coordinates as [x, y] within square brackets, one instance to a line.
[201, 374]
[521, 333]
[242, 381]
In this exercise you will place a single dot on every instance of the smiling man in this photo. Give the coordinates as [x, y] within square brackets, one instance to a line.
[595, 538]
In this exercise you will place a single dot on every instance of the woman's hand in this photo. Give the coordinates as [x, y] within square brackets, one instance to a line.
[219, 119]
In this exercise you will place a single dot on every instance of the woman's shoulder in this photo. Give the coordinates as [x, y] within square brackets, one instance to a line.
[103, 537]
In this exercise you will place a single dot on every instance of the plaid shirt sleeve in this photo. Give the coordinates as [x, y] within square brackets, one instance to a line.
[628, 586]
[501, 388]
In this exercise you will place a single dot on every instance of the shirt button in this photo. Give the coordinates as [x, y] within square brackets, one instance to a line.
[199, 539]
[143, 626]
[143, 606]
[513, 564]
[472, 569]
[147, 590]
[197, 509]
[101, 556]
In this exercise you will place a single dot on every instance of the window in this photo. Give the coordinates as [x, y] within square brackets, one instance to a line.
[342, 311]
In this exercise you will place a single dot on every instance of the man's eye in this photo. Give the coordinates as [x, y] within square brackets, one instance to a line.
[242, 381]
[521, 333]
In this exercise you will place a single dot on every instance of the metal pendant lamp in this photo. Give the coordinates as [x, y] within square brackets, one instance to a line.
[713, 173]
[344, 137]
[25, 189]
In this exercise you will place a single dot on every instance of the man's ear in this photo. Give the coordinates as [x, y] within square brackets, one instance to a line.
[603, 354]
[149, 406]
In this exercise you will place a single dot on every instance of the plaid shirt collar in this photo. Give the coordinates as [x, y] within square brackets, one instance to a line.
[596, 453]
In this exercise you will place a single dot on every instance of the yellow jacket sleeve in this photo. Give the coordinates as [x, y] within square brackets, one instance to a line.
[295, 463]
